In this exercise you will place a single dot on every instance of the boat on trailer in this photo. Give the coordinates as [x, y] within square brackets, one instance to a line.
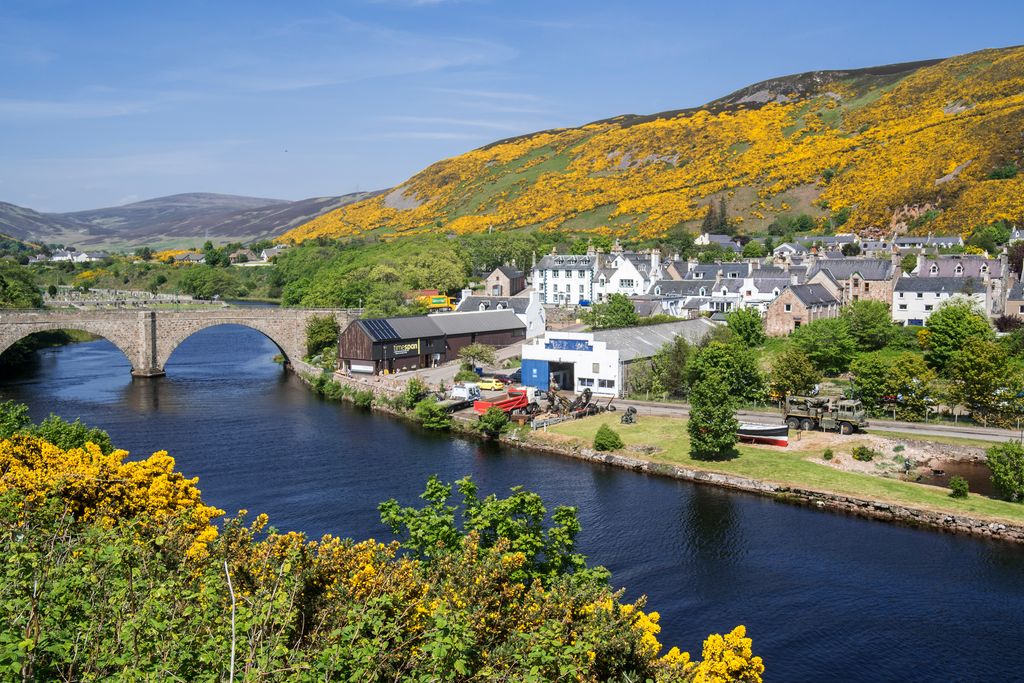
[773, 435]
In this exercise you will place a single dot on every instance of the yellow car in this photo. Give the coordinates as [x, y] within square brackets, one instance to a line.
[491, 384]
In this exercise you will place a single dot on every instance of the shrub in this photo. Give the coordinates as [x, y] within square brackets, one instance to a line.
[1006, 461]
[607, 440]
[363, 398]
[864, 454]
[958, 487]
[828, 454]
[415, 390]
[432, 415]
[493, 422]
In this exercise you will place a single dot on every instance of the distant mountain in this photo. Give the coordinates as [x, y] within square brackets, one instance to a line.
[177, 220]
[923, 146]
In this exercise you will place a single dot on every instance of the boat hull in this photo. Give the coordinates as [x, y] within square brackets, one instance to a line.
[772, 435]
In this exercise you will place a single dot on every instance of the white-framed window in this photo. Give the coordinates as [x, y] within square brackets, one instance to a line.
[788, 308]
[582, 273]
[920, 295]
[554, 287]
[903, 307]
[581, 289]
[657, 291]
[934, 269]
[901, 295]
[928, 307]
[595, 368]
[959, 270]
[628, 282]
[586, 381]
[1020, 309]
[606, 383]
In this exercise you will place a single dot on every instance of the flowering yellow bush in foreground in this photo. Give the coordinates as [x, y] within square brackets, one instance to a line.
[113, 571]
[930, 137]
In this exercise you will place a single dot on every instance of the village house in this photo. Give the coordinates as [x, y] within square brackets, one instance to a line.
[1015, 301]
[726, 242]
[916, 298]
[799, 305]
[506, 280]
[526, 306]
[189, 258]
[580, 279]
[857, 278]
[990, 272]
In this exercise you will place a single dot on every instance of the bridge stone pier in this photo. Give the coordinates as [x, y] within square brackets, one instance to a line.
[149, 337]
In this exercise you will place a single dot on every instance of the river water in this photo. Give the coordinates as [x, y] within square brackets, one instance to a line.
[825, 597]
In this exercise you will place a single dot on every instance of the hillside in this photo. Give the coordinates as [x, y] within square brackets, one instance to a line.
[177, 220]
[931, 145]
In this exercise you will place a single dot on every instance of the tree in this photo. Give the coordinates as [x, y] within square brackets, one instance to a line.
[827, 343]
[432, 414]
[618, 311]
[1006, 461]
[724, 227]
[730, 365]
[850, 249]
[754, 249]
[908, 263]
[981, 379]
[1015, 257]
[18, 288]
[869, 323]
[792, 373]
[477, 354]
[956, 322]
[905, 381]
[748, 326]
[710, 223]
[493, 422]
[712, 426]
[321, 333]
[606, 439]
[144, 253]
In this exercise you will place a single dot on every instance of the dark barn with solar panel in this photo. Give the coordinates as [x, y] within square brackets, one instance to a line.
[377, 345]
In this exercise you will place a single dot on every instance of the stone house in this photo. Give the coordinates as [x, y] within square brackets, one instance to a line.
[505, 280]
[858, 278]
[798, 305]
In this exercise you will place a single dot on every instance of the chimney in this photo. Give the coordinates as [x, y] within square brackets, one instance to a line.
[794, 279]
[691, 263]
[617, 247]
[590, 248]
[467, 292]
[655, 260]
[920, 262]
[896, 258]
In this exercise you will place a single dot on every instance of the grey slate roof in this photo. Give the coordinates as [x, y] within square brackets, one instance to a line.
[477, 321]
[951, 285]
[681, 287]
[867, 268]
[971, 265]
[646, 340]
[709, 271]
[1016, 292]
[511, 272]
[517, 304]
[571, 261]
[813, 295]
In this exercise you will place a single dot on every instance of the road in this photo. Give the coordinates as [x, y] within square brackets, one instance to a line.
[924, 430]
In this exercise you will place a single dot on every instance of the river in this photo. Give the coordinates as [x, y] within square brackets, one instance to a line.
[826, 597]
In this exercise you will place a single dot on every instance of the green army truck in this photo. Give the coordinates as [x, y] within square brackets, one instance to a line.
[825, 412]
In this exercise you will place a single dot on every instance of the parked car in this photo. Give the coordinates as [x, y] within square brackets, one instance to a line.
[491, 384]
[511, 378]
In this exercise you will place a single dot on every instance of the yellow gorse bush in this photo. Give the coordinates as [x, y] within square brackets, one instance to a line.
[930, 138]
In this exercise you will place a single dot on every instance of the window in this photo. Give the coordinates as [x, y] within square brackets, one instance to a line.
[567, 273]
[698, 276]
[554, 288]
[788, 308]
[582, 273]
[606, 383]
[732, 276]
[657, 291]
[596, 368]
[928, 307]
[867, 286]
[934, 269]
[586, 382]
[959, 270]
[483, 307]
[901, 295]
[703, 292]
[1020, 309]
[581, 289]
[920, 295]
[903, 307]
[749, 293]
[626, 283]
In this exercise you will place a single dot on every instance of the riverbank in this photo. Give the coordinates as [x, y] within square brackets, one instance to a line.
[660, 445]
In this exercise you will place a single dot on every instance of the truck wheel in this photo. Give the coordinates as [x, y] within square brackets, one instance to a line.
[845, 428]
[793, 423]
[807, 424]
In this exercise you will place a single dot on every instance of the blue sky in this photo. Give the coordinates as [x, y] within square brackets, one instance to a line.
[105, 102]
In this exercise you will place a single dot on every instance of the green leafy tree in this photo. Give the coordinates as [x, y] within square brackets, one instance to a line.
[904, 379]
[414, 392]
[18, 287]
[712, 426]
[69, 435]
[748, 326]
[728, 364]
[493, 422]
[851, 249]
[433, 531]
[869, 323]
[950, 328]
[827, 343]
[618, 311]
[321, 333]
[606, 439]
[908, 263]
[754, 249]
[981, 379]
[1006, 461]
[792, 373]
[478, 354]
[14, 418]
[432, 415]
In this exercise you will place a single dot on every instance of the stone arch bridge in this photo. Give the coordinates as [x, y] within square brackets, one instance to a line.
[149, 337]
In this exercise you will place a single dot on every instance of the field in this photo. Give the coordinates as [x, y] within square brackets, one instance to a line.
[800, 465]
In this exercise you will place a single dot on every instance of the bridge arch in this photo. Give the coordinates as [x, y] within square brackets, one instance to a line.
[126, 343]
[167, 344]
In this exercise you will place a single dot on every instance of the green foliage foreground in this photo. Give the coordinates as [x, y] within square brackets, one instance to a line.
[96, 585]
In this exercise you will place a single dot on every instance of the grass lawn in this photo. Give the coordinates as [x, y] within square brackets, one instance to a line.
[790, 466]
[952, 440]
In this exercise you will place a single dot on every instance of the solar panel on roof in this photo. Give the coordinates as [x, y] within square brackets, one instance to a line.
[380, 330]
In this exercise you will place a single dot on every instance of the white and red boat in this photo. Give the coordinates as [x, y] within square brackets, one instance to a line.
[773, 435]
